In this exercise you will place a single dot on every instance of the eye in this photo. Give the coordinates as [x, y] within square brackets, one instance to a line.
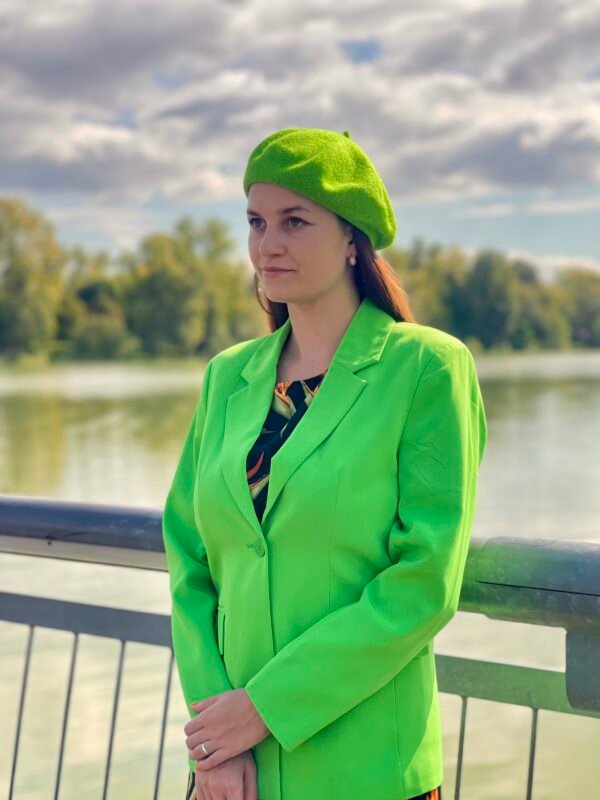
[252, 220]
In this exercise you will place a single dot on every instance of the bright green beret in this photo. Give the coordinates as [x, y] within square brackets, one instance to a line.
[332, 170]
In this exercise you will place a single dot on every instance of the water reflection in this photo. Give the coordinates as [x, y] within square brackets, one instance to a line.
[112, 433]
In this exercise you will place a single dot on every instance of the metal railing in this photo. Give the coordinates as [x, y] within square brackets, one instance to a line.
[540, 582]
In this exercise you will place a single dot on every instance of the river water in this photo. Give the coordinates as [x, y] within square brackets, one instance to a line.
[112, 433]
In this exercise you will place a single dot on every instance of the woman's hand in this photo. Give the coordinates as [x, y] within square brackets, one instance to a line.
[227, 724]
[235, 779]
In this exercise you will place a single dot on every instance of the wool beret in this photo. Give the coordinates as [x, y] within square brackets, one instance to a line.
[331, 169]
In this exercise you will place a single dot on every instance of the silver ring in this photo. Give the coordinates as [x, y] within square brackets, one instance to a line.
[206, 753]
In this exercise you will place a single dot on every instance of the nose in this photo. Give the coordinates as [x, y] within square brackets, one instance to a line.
[270, 242]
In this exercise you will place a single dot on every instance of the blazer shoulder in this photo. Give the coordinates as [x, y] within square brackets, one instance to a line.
[426, 339]
[231, 360]
[411, 343]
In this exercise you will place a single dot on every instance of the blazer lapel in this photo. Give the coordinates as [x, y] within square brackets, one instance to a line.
[247, 408]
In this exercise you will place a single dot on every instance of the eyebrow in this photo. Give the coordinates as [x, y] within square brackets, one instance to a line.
[282, 210]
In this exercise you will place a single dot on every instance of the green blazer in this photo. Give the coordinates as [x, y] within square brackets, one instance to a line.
[326, 611]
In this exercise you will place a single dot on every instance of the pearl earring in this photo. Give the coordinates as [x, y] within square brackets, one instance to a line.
[352, 260]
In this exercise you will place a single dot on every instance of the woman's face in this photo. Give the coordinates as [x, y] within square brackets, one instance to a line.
[308, 242]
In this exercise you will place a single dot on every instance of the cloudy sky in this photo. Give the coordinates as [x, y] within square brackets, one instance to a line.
[482, 117]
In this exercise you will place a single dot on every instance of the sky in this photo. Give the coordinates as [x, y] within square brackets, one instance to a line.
[482, 117]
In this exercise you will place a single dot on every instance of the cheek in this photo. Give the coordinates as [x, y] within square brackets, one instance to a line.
[253, 248]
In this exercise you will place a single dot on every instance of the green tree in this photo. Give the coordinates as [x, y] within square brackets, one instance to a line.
[91, 320]
[582, 303]
[31, 275]
[539, 320]
[232, 313]
[433, 278]
[490, 301]
[164, 297]
[185, 295]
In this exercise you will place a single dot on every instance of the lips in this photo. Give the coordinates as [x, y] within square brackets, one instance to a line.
[275, 269]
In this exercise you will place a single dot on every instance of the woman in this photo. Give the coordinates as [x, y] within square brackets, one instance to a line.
[318, 523]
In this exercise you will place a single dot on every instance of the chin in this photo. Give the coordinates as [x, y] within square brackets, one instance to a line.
[279, 297]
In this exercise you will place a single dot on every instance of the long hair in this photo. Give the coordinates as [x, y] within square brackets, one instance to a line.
[373, 277]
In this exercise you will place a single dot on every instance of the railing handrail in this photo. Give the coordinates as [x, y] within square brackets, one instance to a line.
[537, 581]
[496, 566]
[119, 536]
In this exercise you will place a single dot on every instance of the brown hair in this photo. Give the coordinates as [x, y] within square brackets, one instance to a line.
[373, 278]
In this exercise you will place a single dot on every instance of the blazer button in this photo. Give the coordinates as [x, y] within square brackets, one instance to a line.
[258, 547]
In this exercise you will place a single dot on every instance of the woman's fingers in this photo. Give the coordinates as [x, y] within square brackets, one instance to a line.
[198, 754]
[224, 783]
[217, 756]
[205, 791]
[195, 740]
[250, 787]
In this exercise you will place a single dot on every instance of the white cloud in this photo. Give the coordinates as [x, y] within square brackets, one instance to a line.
[124, 226]
[490, 210]
[572, 206]
[111, 102]
[575, 206]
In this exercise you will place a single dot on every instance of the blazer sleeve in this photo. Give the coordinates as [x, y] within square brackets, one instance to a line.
[356, 649]
[193, 595]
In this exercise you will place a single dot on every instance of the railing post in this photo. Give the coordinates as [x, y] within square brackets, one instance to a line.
[583, 670]
[543, 582]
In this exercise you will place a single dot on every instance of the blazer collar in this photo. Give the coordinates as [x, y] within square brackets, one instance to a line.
[361, 345]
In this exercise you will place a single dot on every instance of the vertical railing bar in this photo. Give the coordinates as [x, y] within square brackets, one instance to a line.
[163, 725]
[114, 718]
[461, 745]
[532, 745]
[66, 714]
[20, 715]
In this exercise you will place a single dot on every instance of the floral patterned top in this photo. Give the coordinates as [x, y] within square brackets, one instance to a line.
[291, 400]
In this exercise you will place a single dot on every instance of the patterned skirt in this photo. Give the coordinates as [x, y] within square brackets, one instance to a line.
[434, 794]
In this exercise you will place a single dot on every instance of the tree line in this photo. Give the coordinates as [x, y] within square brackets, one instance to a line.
[182, 293]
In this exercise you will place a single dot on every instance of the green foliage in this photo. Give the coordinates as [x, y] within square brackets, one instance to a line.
[183, 294]
[31, 266]
[581, 293]
[164, 297]
[493, 303]
[433, 278]
[99, 336]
